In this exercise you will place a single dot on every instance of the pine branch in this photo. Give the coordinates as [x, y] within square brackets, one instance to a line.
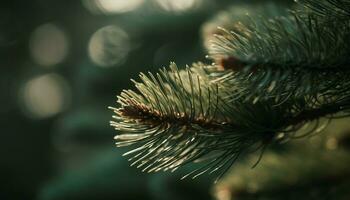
[298, 38]
[285, 57]
[336, 9]
[314, 114]
[176, 120]
[235, 18]
[262, 83]
[291, 72]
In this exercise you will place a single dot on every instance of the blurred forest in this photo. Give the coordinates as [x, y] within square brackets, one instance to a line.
[62, 63]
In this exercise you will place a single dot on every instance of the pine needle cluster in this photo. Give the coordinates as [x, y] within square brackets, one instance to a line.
[271, 77]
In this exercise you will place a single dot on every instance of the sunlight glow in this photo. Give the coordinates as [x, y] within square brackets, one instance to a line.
[112, 6]
[178, 5]
[45, 96]
[48, 45]
[109, 46]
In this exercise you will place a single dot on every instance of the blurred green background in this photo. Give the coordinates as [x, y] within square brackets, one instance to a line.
[62, 63]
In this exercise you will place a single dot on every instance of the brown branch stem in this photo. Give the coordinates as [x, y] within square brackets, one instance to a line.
[313, 114]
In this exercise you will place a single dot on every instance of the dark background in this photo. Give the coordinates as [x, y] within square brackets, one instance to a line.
[56, 142]
[62, 63]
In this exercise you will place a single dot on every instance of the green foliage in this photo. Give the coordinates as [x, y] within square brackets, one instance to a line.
[236, 16]
[298, 55]
[339, 9]
[280, 75]
[318, 170]
[180, 116]
[302, 38]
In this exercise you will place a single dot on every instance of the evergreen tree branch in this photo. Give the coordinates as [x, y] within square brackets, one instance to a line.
[291, 72]
[336, 9]
[180, 117]
[298, 37]
[314, 114]
[261, 83]
[284, 57]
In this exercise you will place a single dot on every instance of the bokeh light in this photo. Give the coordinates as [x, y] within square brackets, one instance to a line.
[48, 45]
[45, 96]
[178, 5]
[223, 194]
[112, 6]
[332, 143]
[109, 46]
